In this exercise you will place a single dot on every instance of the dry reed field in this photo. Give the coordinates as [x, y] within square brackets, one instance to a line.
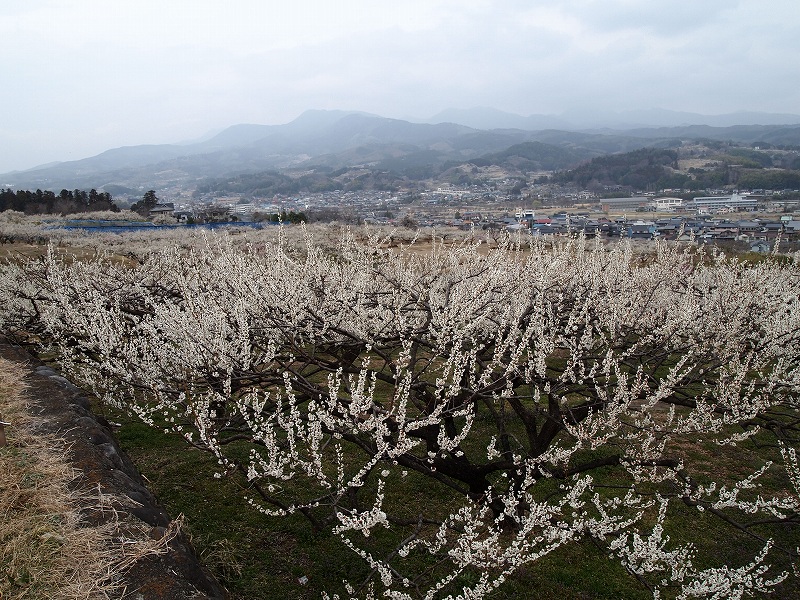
[50, 544]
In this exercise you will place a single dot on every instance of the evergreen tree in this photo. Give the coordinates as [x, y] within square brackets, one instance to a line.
[146, 204]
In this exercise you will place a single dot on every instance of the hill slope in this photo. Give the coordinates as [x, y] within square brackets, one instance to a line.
[337, 139]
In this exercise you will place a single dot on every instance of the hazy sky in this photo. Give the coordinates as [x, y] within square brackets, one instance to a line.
[82, 76]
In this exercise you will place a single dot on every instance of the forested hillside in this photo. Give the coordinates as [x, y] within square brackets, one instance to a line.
[640, 169]
[655, 169]
[536, 156]
[321, 179]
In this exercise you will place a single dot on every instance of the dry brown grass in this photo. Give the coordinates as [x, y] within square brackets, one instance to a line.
[47, 547]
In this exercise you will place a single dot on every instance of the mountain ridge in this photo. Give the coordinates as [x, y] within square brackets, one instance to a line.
[341, 138]
[491, 118]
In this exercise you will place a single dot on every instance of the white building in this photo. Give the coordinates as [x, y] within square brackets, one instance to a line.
[525, 214]
[732, 203]
[667, 204]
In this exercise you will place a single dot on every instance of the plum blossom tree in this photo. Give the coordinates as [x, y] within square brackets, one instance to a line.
[541, 395]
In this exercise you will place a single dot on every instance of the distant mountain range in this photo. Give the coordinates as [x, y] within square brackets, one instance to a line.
[337, 139]
[492, 118]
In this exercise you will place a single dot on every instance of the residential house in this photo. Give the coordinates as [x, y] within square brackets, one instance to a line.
[168, 209]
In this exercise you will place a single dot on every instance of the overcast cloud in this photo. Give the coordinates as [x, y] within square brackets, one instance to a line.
[82, 76]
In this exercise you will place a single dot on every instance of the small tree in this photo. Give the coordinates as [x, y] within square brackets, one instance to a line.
[409, 222]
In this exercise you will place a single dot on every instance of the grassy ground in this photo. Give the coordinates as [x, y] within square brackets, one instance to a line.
[256, 556]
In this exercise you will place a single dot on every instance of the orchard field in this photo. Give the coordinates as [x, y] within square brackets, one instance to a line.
[350, 413]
